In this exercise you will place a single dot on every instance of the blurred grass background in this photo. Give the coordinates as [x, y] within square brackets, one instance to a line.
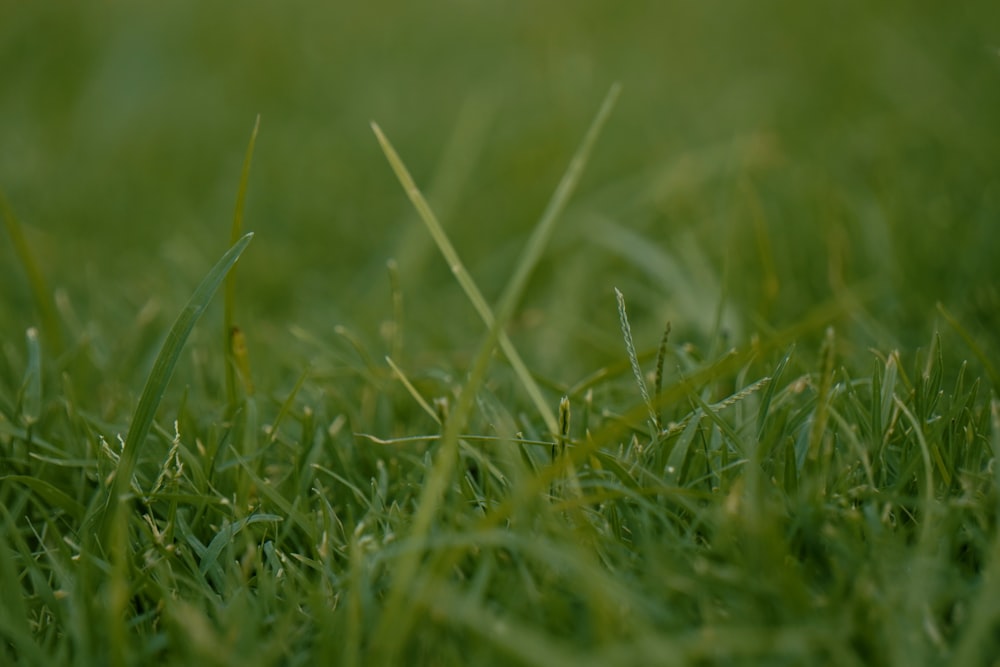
[770, 156]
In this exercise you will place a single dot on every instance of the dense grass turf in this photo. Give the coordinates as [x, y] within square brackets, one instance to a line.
[459, 429]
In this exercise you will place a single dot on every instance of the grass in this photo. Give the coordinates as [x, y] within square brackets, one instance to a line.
[729, 399]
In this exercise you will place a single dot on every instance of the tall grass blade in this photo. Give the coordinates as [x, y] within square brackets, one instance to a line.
[394, 626]
[417, 396]
[529, 259]
[156, 383]
[464, 278]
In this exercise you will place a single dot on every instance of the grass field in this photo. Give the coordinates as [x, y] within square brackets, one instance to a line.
[524, 333]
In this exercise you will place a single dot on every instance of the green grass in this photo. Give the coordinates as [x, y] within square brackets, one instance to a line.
[711, 382]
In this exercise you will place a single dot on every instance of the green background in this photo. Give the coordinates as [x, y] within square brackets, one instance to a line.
[803, 182]
[770, 156]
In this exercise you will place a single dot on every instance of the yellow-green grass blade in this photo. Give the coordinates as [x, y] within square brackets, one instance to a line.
[44, 301]
[417, 396]
[529, 260]
[159, 377]
[464, 278]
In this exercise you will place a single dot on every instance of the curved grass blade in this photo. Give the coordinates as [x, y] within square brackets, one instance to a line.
[156, 383]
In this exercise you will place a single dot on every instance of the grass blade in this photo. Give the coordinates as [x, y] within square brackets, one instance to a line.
[634, 360]
[421, 401]
[464, 278]
[156, 383]
[529, 260]
[394, 626]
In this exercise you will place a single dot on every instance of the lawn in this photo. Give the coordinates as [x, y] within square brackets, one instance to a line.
[479, 333]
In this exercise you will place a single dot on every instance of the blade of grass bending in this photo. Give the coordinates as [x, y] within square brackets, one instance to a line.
[229, 301]
[156, 383]
[394, 626]
[44, 300]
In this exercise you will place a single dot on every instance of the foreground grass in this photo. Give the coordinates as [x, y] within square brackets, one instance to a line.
[788, 500]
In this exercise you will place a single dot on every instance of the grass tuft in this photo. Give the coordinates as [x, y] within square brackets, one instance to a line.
[807, 475]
